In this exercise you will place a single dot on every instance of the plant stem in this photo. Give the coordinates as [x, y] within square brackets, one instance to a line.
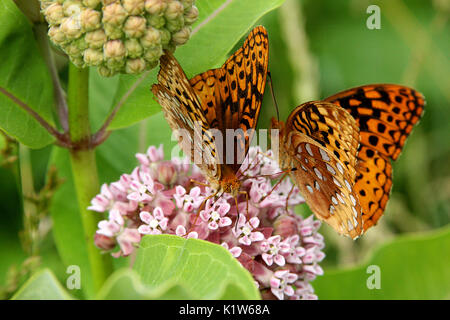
[60, 99]
[84, 169]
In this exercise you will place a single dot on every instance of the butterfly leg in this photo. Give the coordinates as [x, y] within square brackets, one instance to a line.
[277, 184]
[238, 213]
[288, 196]
[201, 208]
[199, 183]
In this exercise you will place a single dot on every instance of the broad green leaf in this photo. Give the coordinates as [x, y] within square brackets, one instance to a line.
[205, 269]
[125, 284]
[220, 26]
[411, 267]
[42, 286]
[23, 74]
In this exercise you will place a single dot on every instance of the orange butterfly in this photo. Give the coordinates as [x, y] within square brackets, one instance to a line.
[213, 102]
[342, 149]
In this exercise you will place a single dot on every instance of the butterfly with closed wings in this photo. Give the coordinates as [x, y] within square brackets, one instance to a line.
[342, 148]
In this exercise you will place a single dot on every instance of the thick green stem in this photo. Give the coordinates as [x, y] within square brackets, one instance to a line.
[84, 169]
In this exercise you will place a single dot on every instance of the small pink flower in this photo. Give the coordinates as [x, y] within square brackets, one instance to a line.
[281, 283]
[313, 254]
[293, 252]
[215, 215]
[140, 192]
[103, 242]
[112, 226]
[259, 189]
[304, 291]
[245, 231]
[103, 201]
[155, 223]
[190, 201]
[154, 154]
[181, 232]
[235, 251]
[272, 249]
[127, 240]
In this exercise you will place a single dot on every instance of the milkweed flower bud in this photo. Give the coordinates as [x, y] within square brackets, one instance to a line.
[71, 7]
[153, 54]
[114, 14]
[133, 47]
[114, 50]
[90, 19]
[54, 13]
[174, 10]
[135, 26]
[187, 3]
[56, 35]
[113, 32]
[91, 3]
[135, 65]
[104, 71]
[133, 6]
[155, 7]
[93, 57]
[191, 15]
[96, 39]
[151, 38]
[175, 25]
[71, 27]
[106, 2]
[182, 36]
[118, 36]
[157, 21]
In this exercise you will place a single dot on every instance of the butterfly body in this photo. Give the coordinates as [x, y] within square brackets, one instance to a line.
[216, 111]
[342, 148]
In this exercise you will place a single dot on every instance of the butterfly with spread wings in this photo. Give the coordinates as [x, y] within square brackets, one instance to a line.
[215, 105]
[342, 148]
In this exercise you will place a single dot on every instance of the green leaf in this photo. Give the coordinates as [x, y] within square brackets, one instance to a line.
[24, 75]
[220, 26]
[43, 285]
[125, 284]
[207, 270]
[411, 267]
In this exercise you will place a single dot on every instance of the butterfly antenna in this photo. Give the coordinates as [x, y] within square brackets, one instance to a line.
[273, 95]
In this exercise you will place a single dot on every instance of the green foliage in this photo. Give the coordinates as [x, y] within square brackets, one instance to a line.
[411, 267]
[23, 74]
[42, 286]
[206, 270]
[125, 284]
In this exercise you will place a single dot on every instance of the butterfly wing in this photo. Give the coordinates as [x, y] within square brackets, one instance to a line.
[385, 114]
[231, 96]
[320, 141]
[181, 107]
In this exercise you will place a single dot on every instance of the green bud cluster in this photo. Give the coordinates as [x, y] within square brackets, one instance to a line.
[118, 36]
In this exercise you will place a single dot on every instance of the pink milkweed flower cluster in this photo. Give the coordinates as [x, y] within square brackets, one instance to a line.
[281, 249]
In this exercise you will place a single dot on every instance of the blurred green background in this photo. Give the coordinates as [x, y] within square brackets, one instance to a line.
[317, 48]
